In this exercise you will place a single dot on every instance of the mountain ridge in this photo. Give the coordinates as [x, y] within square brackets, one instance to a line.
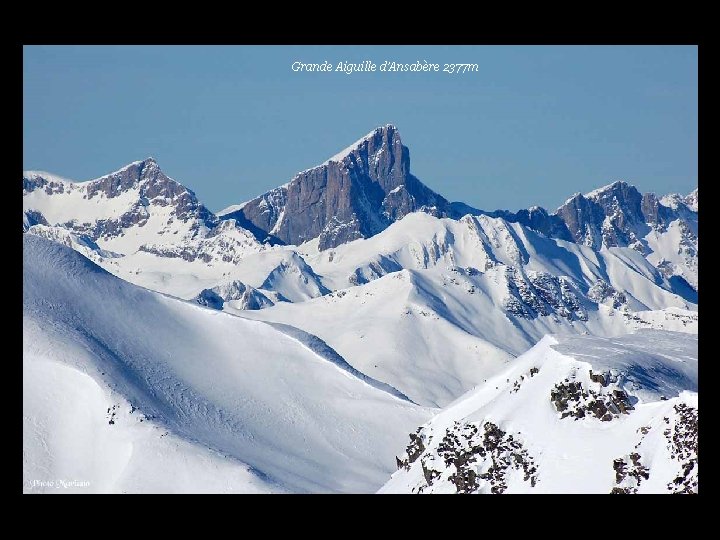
[358, 193]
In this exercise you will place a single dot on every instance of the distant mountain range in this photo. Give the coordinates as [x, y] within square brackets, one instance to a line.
[355, 194]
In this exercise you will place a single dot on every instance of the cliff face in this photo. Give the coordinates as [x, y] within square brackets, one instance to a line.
[355, 194]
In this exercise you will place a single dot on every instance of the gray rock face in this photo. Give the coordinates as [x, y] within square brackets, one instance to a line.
[623, 220]
[541, 294]
[355, 194]
[536, 218]
[582, 217]
[603, 292]
[617, 215]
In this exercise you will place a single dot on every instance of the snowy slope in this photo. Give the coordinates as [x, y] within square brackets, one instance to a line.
[387, 330]
[421, 241]
[246, 405]
[279, 270]
[572, 415]
[675, 251]
[61, 200]
[69, 445]
[436, 306]
[78, 242]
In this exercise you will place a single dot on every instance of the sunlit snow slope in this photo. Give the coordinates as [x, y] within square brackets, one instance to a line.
[129, 390]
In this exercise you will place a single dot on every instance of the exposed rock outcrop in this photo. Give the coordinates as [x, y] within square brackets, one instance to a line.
[244, 296]
[355, 194]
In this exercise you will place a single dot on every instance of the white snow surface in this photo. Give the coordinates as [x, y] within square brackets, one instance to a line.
[49, 176]
[230, 209]
[70, 202]
[599, 191]
[228, 404]
[669, 246]
[73, 204]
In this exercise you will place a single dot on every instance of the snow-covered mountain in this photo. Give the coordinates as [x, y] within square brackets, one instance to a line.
[135, 209]
[132, 391]
[572, 415]
[122, 210]
[664, 230]
[363, 189]
[357, 193]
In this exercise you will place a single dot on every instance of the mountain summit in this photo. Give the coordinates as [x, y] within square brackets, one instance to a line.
[355, 194]
[137, 197]
[662, 229]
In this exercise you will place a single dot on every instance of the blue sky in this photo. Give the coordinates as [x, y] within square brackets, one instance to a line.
[532, 126]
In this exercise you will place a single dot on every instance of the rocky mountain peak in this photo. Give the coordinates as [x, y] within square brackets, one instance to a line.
[619, 215]
[356, 193]
[577, 212]
[104, 209]
[618, 196]
[145, 175]
[386, 137]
